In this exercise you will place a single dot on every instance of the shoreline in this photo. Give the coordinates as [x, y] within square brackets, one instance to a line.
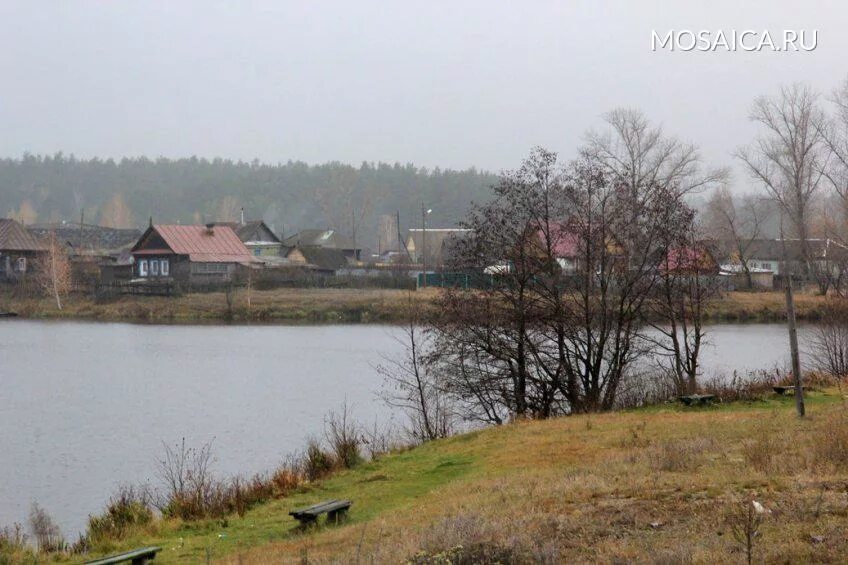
[335, 306]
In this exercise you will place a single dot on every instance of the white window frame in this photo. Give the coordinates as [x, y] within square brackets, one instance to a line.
[142, 268]
[21, 265]
[164, 267]
[154, 267]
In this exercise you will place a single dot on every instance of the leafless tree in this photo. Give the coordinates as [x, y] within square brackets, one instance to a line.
[643, 157]
[688, 282]
[186, 474]
[53, 270]
[44, 530]
[411, 384]
[790, 156]
[735, 224]
[828, 348]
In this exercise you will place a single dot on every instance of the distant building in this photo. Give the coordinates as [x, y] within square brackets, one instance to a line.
[768, 255]
[87, 239]
[18, 249]
[193, 254]
[322, 260]
[435, 243]
[259, 239]
[325, 239]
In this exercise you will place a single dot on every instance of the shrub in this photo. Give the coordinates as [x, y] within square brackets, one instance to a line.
[345, 438]
[317, 463]
[12, 539]
[127, 510]
[45, 531]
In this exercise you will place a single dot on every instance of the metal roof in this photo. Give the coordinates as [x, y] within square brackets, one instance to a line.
[15, 237]
[202, 244]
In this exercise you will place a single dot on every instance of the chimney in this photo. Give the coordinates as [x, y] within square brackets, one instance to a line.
[210, 228]
[242, 215]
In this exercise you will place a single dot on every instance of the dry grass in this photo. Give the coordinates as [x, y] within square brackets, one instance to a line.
[281, 305]
[339, 305]
[643, 486]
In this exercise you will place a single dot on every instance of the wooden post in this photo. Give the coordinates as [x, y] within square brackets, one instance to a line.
[793, 347]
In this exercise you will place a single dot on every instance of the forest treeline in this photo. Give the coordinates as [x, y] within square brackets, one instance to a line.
[290, 196]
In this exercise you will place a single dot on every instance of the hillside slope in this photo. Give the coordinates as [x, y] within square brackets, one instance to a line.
[664, 484]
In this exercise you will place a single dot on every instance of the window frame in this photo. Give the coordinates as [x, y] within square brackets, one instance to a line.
[164, 267]
[142, 268]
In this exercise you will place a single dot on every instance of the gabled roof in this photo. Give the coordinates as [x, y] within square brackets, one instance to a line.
[564, 243]
[254, 230]
[15, 237]
[329, 239]
[438, 242]
[202, 244]
[89, 238]
[323, 257]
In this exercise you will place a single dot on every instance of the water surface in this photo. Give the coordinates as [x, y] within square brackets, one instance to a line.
[86, 406]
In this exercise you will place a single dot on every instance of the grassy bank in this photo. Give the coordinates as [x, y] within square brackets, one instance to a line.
[336, 306]
[667, 484]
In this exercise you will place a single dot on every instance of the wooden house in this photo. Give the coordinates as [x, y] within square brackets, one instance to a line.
[433, 245]
[18, 250]
[259, 239]
[326, 239]
[193, 255]
[321, 260]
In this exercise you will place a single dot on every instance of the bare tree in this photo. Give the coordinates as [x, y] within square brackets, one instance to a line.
[411, 383]
[53, 270]
[828, 347]
[641, 156]
[688, 283]
[735, 224]
[789, 157]
[44, 530]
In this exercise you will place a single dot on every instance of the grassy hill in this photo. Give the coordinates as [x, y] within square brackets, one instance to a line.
[662, 484]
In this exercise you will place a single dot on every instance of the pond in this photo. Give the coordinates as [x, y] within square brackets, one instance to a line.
[86, 407]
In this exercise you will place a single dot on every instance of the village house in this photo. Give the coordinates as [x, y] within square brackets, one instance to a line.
[320, 260]
[767, 256]
[259, 239]
[193, 254]
[18, 250]
[326, 239]
[433, 245]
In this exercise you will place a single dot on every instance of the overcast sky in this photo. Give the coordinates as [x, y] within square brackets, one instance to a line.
[450, 84]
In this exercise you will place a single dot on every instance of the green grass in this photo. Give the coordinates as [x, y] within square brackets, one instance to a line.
[598, 480]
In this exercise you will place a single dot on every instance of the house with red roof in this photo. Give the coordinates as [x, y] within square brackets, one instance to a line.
[193, 254]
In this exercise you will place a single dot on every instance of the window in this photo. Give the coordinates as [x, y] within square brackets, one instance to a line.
[142, 268]
[767, 266]
[164, 267]
[257, 252]
[20, 265]
[154, 267]
[210, 268]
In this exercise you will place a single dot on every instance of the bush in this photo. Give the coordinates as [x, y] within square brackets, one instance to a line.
[344, 437]
[469, 540]
[45, 531]
[127, 511]
[317, 463]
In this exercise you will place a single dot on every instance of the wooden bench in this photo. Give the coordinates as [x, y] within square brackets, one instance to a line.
[334, 509]
[136, 557]
[781, 390]
[692, 399]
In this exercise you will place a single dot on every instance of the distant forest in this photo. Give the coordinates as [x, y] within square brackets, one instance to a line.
[289, 197]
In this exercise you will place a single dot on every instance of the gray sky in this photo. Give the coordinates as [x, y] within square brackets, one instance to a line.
[453, 84]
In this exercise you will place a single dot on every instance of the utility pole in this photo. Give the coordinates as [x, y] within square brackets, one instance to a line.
[423, 246]
[82, 219]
